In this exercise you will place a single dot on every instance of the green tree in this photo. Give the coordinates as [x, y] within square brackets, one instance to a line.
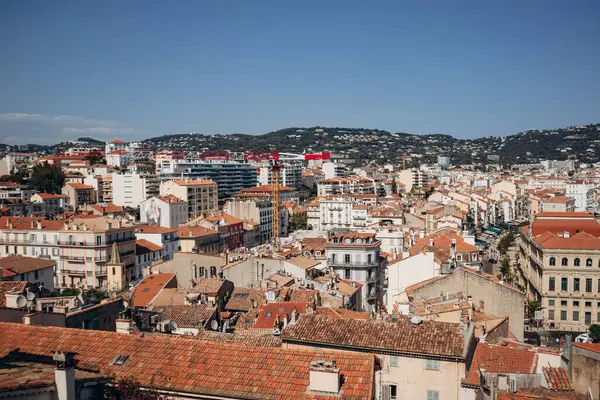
[94, 157]
[505, 269]
[299, 220]
[506, 241]
[595, 333]
[46, 178]
[532, 307]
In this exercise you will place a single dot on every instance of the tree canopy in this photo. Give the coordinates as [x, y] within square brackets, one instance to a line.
[46, 178]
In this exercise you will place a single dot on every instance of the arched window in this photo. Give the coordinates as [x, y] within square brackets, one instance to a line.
[577, 262]
[588, 262]
[552, 261]
[565, 261]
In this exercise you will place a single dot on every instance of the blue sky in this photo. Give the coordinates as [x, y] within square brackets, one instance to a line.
[135, 69]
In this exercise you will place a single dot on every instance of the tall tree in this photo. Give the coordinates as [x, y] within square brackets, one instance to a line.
[299, 220]
[46, 178]
[94, 157]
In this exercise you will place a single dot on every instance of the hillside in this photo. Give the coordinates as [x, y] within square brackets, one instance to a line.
[366, 145]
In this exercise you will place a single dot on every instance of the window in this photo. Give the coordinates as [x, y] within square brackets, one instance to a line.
[552, 261]
[433, 364]
[576, 284]
[564, 284]
[36, 275]
[213, 271]
[551, 284]
[347, 274]
[576, 303]
[588, 285]
[393, 361]
[202, 272]
[588, 262]
[565, 261]
[433, 395]
[563, 303]
[389, 392]
[588, 304]
[370, 258]
[563, 315]
[347, 258]
[550, 314]
[551, 303]
[393, 392]
[577, 262]
[575, 315]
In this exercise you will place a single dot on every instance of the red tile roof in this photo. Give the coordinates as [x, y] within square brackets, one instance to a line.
[557, 379]
[47, 196]
[432, 338]
[195, 232]
[195, 182]
[580, 241]
[540, 394]
[171, 199]
[573, 226]
[79, 186]
[595, 347]
[191, 366]
[106, 208]
[269, 313]
[27, 223]
[14, 265]
[143, 246]
[149, 287]
[499, 359]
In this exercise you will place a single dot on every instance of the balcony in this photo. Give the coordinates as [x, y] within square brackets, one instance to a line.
[100, 271]
[73, 272]
[76, 259]
[358, 264]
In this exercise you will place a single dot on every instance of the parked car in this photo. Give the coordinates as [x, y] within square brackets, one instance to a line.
[583, 338]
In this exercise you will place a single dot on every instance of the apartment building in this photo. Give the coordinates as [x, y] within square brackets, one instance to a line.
[103, 184]
[165, 211]
[51, 204]
[231, 177]
[413, 178]
[201, 195]
[79, 194]
[198, 239]
[350, 185]
[559, 264]
[161, 236]
[80, 247]
[559, 204]
[333, 170]
[356, 257]
[256, 208]
[583, 193]
[286, 193]
[130, 189]
[336, 213]
[289, 174]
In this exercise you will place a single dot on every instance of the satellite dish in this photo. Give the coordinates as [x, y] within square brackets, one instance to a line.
[21, 301]
[30, 296]
[416, 320]
[214, 325]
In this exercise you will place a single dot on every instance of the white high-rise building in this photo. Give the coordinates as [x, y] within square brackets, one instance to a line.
[130, 189]
[289, 175]
[583, 193]
[333, 170]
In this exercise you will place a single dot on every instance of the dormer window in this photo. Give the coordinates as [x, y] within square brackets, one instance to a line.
[358, 241]
[348, 241]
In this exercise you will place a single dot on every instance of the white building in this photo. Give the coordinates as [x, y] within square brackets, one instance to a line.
[333, 170]
[130, 189]
[289, 175]
[413, 178]
[166, 211]
[583, 193]
[161, 236]
[355, 257]
[335, 214]
[201, 195]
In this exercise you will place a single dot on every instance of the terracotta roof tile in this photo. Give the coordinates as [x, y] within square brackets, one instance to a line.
[195, 232]
[149, 287]
[499, 359]
[186, 316]
[243, 299]
[557, 379]
[8, 286]
[540, 394]
[143, 246]
[20, 265]
[219, 369]
[428, 338]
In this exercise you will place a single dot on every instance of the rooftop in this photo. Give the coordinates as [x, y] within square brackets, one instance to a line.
[149, 287]
[143, 246]
[186, 316]
[186, 231]
[219, 369]
[431, 338]
[15, 265]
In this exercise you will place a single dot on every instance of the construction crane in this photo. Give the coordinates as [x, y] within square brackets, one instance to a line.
[274, 159]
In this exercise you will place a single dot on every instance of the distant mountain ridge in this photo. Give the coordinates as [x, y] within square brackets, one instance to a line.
[380, 146]
[374, 145]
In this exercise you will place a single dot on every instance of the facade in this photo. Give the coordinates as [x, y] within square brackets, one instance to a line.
[583, 193]
[333, 170]
[198, 239]
[411, 365]
[79, 194]
[413, 178]
[289, 175]
[286, 193]
[131, 189]
[559, 264]
[335, 214]
[201, 195]
[166, 211]
[103, 186]
[356, 257]
[230, 228]
[230, 177]
[39, 272]
[257, 209]
[52, 204]
[146, 253]
[161, 236]
[559, 204]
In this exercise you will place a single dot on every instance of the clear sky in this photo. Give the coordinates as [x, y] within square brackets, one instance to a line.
[135, 69]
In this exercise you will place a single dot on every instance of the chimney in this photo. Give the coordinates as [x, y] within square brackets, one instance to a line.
[324, 377]
[431, 241]
[64, 375]
[285, 321]
[124, 325]
[294, 316]
[13, 299]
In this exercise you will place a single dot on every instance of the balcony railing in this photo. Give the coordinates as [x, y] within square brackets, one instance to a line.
[341, 263]
[94, 244]
[73, 272]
